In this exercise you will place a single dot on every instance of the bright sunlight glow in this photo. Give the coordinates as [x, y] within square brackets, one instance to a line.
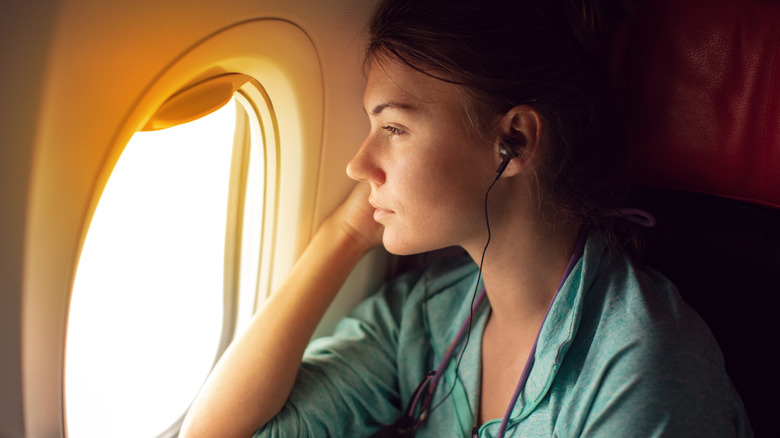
[146, 312]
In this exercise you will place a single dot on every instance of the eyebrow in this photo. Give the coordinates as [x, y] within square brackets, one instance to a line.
[394, 105]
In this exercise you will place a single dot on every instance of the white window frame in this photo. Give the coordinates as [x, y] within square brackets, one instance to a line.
[290, 76]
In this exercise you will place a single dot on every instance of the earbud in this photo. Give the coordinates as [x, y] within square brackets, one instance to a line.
[508, 153]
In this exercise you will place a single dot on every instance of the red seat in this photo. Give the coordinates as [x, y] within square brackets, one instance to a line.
[699, 86]
[700, 80]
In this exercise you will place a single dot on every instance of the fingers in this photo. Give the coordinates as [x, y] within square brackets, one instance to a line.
[357, 216]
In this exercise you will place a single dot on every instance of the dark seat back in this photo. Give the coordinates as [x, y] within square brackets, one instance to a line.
[699, 84]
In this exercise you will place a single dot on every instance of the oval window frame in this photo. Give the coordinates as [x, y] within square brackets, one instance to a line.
[287, 78]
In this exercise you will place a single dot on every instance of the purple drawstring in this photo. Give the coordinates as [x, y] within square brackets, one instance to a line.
[638, 216]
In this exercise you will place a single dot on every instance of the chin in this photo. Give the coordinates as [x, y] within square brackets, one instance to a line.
[404, 247]
[400, 250]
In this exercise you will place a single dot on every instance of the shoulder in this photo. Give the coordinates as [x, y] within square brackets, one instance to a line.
[632, 309]
[629, 303]
[640, 341]
[618, 301]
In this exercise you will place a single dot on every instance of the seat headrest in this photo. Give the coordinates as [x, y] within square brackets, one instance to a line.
[699, 84]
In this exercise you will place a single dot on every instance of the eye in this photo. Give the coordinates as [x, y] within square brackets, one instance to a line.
[393, 130]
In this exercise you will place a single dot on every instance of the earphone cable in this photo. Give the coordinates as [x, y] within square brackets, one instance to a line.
[473, 298]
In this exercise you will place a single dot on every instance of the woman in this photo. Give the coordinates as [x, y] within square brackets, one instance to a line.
[480, 112]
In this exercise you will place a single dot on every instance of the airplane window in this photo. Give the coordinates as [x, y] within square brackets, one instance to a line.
[169, 264]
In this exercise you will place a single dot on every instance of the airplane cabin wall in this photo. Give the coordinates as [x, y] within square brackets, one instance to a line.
[73, 70]
[26, 32]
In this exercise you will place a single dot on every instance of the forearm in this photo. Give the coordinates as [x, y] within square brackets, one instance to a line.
[253, 379]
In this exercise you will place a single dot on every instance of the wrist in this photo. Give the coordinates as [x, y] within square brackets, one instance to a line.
[346, 242]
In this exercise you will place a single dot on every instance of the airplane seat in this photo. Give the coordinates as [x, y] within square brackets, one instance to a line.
[698, 83]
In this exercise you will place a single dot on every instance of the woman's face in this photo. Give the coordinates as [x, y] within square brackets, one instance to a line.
[428, 173]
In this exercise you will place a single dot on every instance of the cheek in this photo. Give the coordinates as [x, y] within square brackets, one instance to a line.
[426, 182]
[440, 201]
[443, 193]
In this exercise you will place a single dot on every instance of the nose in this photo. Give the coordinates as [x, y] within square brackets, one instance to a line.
[364, 165]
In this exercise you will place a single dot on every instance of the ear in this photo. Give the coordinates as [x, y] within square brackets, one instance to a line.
[520, 129]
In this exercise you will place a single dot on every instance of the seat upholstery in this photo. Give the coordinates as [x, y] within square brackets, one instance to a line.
[699, 86]
[700, 81]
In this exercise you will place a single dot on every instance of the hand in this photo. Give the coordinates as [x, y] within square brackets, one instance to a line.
[356, 217]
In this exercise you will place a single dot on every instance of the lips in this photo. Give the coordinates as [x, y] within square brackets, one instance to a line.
[380, 212]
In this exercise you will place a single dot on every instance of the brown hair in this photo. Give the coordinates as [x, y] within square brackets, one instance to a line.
[549, 54]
